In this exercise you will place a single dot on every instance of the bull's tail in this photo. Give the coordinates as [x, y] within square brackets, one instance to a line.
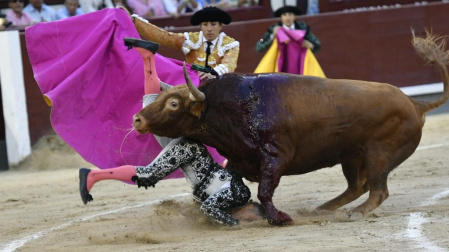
[433, 50]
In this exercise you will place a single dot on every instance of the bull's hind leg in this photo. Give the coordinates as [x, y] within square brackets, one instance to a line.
[378, 163]
[357, 186]
[377, 170]
[378, 193]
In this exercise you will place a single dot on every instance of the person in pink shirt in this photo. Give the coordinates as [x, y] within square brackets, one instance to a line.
[16, 15]
[148, 8]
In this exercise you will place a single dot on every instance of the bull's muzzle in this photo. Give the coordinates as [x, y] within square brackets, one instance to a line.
[139, 123]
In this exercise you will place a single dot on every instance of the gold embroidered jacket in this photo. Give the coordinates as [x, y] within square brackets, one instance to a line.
[223, 58]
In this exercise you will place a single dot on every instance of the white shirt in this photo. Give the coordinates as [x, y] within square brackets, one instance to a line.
[92, 5]
[198, 7]
[292, 27]
[214, 42]
[46, 14]
[171, 6]
[63, 13]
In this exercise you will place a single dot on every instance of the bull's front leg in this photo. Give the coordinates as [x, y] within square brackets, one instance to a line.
[270, 174]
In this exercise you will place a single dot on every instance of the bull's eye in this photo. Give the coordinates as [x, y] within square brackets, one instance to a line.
[172, 104]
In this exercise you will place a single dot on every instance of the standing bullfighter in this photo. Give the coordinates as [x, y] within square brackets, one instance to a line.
[288, 14]
[210, 47]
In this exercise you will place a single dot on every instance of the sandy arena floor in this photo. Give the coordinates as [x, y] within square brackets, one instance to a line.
[41, 210]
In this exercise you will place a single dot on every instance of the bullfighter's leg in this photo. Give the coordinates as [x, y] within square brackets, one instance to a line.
[269, 180]
[152, 86]
[147, 50]
[143, 175]
[357, 185]
[215, 205]
[88, 178]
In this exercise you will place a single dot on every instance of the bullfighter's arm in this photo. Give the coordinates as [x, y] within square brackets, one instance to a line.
[310, 36]
[265, 42]
[228, 62]
[156, 34]
[314, 40]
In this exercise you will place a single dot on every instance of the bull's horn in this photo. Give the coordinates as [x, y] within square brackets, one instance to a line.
[197, 94]
[165, 86]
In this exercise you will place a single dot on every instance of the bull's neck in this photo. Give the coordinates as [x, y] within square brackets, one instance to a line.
[215, 128]
[211, 134]
[221, 119]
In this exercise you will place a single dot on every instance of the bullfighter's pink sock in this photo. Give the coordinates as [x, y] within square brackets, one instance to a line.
[152, 81]
[123, 173]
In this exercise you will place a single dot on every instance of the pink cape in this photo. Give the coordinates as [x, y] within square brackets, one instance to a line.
[95, 86]
[292, 55]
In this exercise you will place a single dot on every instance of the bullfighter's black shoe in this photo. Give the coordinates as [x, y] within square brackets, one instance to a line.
[148, 45]
[85, 196]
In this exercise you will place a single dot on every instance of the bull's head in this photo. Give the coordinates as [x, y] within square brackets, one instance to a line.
[175, 110]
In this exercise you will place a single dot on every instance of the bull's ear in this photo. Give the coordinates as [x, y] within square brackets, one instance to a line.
[196, 109]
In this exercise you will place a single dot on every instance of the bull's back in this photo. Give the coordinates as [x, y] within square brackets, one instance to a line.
[307, 102]
[335, 118]
[314, 121]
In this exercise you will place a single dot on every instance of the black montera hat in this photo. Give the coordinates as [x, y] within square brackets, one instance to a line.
[287, 8]
[210, 14]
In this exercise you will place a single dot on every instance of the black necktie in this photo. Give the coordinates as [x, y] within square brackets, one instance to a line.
[207, 52]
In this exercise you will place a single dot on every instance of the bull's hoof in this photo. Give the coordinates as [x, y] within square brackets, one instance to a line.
[327, 207]
[323, 209]
[282, 219]
[353, 216]
[250, 212]
[85, 196]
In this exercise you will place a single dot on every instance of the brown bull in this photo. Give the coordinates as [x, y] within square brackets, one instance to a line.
[270, 125]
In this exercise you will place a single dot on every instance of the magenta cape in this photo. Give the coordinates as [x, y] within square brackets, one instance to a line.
[291, 55]
[95, 86]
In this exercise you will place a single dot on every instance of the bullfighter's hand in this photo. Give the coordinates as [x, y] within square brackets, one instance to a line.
[204, 76]
[286, 41]
[307, 44]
